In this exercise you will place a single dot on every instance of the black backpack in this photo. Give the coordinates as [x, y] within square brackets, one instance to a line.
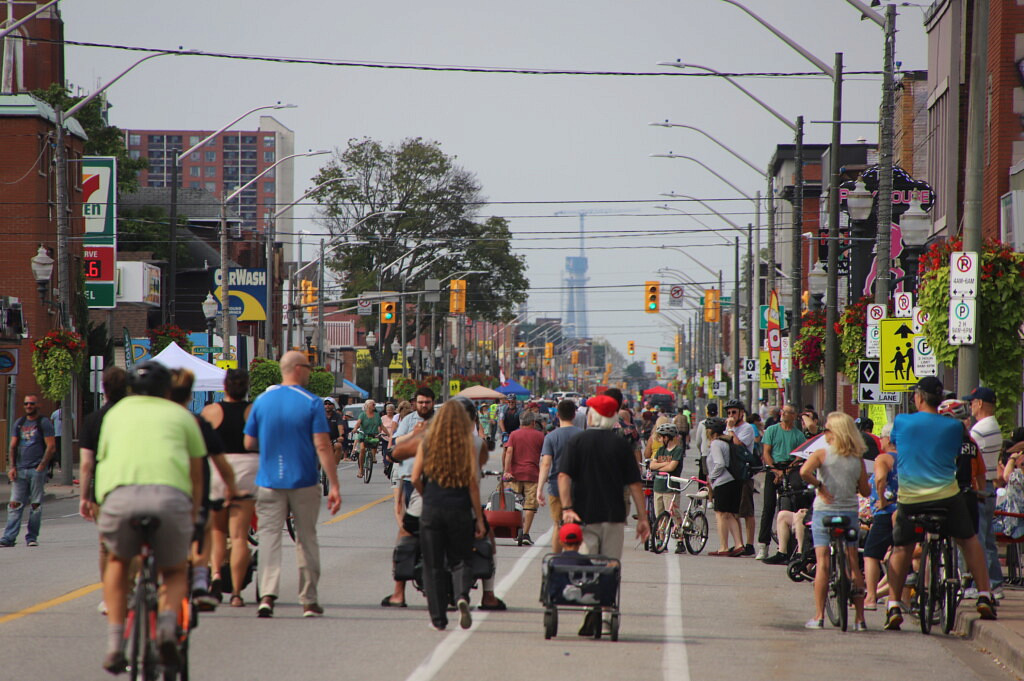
[743, 464]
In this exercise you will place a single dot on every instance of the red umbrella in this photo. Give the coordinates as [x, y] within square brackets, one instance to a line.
[658, 390]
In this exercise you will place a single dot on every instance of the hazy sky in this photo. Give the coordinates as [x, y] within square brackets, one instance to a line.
[539, 144]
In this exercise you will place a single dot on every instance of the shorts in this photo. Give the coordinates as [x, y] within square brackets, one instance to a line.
[170, 505]
[819, 533]
[727, 496]
[746, 509]
[958, 519]
[245, 466]
[879, 536]
[528, 490]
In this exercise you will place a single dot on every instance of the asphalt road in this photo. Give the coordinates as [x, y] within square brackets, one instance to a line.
[683, 617]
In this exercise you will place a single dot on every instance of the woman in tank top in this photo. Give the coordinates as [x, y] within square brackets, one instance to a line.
[837, 473]
[228, 419]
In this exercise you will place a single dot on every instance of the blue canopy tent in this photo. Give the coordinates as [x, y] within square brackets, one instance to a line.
[354, 390]
[511, 387]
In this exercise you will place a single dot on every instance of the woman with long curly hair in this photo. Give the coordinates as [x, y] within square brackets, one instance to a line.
[445, 473]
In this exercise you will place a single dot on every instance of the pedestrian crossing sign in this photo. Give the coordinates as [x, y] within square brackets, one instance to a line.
[768, 380]
[897, 355]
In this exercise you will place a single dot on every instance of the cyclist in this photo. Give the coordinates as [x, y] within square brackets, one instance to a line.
[837, 471]
[368, 425]
[668, 460]
[884, 483]
[927, 447]
[334, 424]
[149, 463]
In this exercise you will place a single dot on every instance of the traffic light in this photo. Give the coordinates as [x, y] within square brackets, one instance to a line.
[631, 347]
[712, 308]
[654, 358]
[652, 296]
[457, 297]
[309, 291]
[575, 357]
[521, 349]
[549, 350]
[387, 312]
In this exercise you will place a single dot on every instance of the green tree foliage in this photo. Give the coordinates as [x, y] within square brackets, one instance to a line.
[635, 370]
[321, 382]
[145, 229]
[439, 200]
[104, 139]
[263, 373]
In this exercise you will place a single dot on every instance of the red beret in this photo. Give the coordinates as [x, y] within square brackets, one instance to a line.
[604, 405]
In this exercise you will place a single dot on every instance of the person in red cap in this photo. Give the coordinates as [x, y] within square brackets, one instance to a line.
[571, 536]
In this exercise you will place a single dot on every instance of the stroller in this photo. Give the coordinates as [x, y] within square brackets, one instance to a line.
[572, 581]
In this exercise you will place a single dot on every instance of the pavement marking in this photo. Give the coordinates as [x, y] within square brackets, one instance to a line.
[433, 663]
[362, 508]
[675, 663]
[39, 607]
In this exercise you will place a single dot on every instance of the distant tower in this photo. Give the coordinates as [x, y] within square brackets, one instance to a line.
[575, 301]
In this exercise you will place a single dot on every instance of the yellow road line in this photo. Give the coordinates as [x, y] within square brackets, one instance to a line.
[39, 607]
[86, 590]
[362, 508]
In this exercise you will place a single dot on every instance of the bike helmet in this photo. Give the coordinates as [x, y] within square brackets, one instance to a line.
[736, 404]
[958, 409]
[667, 429]
[149, 378]
[715, 425]
[468, 405]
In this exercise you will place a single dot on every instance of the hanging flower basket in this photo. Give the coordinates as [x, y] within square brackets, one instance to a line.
[163, 335]
[852, 343]
[55, 361]
[809, 351]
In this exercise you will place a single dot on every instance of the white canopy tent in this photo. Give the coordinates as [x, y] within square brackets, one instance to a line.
[208, 376]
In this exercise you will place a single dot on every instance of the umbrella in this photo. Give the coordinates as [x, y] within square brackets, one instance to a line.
[479, 392]
[807, 448]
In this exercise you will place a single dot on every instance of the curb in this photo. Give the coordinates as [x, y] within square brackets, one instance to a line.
[996, 638]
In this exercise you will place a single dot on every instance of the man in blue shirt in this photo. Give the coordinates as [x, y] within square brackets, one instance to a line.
[555, 444]
[288, 426]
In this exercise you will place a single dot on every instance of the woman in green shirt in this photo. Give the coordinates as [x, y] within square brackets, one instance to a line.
[368, 426]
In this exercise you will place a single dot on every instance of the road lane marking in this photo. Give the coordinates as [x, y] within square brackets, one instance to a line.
[675, 663]
[39, 607]
[86, 590]
[362, 508]
[437, 658]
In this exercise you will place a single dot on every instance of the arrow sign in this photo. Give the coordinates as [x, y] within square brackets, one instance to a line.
[963, 275]
[904, 331]
[867, 394]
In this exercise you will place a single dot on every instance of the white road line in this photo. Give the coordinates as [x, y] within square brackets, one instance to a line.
[675, 664]
[436, 660]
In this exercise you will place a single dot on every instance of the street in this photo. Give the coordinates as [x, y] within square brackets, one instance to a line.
[683, 617]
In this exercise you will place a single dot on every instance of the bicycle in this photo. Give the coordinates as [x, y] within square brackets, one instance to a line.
[837, 596]
[369, 457]
[647, 478]
[140, 636]
[938, 576]
[690, 528]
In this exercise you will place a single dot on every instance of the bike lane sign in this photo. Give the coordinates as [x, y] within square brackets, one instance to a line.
[897, 355]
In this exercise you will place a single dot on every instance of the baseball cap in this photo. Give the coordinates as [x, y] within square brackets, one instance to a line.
[930, 385]
[982, 393]
[330, 400]
[571, 533]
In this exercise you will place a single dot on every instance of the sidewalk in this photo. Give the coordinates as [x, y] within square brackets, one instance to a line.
[1004, 637]
[51, 492]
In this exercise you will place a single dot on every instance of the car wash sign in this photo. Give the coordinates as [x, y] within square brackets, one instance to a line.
[247, 288]
[99, 211]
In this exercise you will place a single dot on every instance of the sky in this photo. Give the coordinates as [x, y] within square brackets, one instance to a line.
[538, 144]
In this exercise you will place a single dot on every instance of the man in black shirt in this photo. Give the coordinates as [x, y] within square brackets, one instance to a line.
[510, 421]
[336, 427]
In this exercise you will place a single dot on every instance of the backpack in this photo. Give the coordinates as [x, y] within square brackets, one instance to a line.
[742, 462]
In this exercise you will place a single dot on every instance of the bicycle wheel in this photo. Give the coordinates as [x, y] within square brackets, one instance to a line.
[696, 535]
[951, 587]
[843, 588]
[924, 587]
[368, 465]
[832, 591]
[936, 586]
[134, 634]
[662, 533]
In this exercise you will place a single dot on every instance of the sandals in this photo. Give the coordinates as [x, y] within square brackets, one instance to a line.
[388, 603]
[499, 605]
[236, 601]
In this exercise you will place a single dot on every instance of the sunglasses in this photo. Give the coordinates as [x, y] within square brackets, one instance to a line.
[306, 366]
[30, 404]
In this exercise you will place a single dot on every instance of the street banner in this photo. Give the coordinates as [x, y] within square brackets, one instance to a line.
[99, 211]
[774, 334]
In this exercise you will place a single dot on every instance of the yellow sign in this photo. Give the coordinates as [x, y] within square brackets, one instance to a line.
[764, 363]
[878, 416]
[897, 355]
[454, 386]
[227, 363]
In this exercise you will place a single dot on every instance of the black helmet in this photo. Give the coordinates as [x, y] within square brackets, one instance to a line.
[149, 378]
[468, 405]
[715, 425]
[712, 409]
[736, 404]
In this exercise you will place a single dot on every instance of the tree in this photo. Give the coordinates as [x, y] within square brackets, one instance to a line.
[437, 235]
[145, 229]
[104, 139]
[635, 370]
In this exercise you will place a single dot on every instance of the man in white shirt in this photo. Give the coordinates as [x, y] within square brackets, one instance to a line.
[743, 433]
[987, 436]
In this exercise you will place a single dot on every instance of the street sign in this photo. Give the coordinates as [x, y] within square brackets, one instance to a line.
[920, 318]
[963, 275]
[675, 296]
[718, 371]
[666, 349]
[100, 294]
[924, 358]
[868, 389]
[749, 369]
[721, 389]
[768, 380]
[874, 342]
[9, 362]
[785, 348]
[904, 304]
[876, 313]
[206, 350]
[227, 363]
[897, 355]
[365, 307]
[963, 318]
[454, 386]
[762, 318]
[723, 300]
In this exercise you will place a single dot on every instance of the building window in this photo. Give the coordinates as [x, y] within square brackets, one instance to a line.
[193, 140]
[134, 154]
[270, 173]
[194, 185]
[268, 157]
[174, 139]
[268, 187]
[249, 139]
[156, 183]
[211, 187]
[156, 139]
[134, 140]
[211, 156]
[194, 156]
[268, 141]
[211, 171]
[193, 171]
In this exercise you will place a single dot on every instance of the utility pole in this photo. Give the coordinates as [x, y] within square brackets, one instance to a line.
[64, 285]
[796, 269]
[736, 320]
[885, 161]
[752, 278]
[268, 328]
[320, 326]
[832, 308]
[172, 265]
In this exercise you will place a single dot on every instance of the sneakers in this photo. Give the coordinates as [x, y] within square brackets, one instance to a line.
[814, 624]
[893, 618]
[312, 610]
[860, 626]
[680, 548]
[115, 662]
[204, 600]
[6, 544]
[970, 593]
[266, 608]
[465, 618]
[32, 542]
[762, 553]
[997, 593]
[748, 550]
[777, 559]
[986, 608]
[527, 541]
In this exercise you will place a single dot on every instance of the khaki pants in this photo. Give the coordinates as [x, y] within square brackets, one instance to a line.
[662, 500]
[272, 506]
[603, 539]
[555, 506]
